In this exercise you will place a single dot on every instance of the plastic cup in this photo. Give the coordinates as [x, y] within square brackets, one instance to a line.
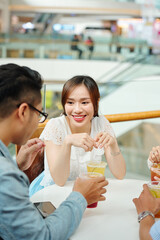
[155, 171]
[154, 188]
[88, 175]
[96, 167]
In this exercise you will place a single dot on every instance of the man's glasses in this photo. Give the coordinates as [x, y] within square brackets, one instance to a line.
[42, 115]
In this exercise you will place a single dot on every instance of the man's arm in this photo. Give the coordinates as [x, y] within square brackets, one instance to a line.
[146, 202]
[21, 220]
[145, 226]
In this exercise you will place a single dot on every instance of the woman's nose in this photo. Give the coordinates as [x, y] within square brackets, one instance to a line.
[77, 107]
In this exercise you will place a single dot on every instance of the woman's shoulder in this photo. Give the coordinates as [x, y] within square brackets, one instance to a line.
[56, 120]
[101, 123]
[54, 127]
[100, 120]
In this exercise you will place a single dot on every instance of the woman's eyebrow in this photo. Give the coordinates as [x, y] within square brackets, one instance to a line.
[85, 98]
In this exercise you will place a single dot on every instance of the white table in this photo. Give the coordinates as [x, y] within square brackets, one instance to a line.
[113, 219]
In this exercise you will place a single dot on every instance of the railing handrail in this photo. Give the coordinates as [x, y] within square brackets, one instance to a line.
[120, 117]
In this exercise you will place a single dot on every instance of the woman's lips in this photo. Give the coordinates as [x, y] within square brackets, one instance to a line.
[79, 118]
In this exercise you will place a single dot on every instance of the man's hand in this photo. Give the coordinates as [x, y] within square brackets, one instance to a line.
[146, 202]
[28, 153]
[92, 189]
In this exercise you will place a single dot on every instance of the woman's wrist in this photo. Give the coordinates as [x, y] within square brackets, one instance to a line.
[114, 154]
[68, 140]
[115, 150]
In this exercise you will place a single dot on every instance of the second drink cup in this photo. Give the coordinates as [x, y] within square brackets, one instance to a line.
[90, 175]
[94, 168]
[154, 188]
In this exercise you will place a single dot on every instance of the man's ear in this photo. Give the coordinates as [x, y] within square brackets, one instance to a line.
[23, 111]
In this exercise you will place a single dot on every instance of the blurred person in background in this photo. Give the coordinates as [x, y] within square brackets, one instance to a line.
[74, 45]
[90, 45]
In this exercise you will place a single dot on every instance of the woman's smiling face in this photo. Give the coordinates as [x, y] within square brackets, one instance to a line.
[79, 108]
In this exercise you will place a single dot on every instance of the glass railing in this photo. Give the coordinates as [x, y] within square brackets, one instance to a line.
[47, 46]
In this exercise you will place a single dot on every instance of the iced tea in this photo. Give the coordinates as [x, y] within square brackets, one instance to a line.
[97, 167]
[91, 175]
[154, 188]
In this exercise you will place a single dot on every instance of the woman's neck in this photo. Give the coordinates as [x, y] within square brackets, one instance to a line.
[74, 129]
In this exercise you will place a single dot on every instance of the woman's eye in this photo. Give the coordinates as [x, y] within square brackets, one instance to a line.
[70, 103]
[84, 102]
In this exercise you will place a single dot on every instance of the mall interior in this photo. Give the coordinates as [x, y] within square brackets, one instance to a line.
[123, 56]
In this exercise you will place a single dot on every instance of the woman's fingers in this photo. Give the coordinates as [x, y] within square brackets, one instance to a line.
[104, 139]
[154, 155]
[87, 143]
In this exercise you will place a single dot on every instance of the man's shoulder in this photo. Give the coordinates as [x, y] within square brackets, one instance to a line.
[5, 163]
[8, 167]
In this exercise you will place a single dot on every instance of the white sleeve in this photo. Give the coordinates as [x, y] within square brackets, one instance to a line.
[53, 131]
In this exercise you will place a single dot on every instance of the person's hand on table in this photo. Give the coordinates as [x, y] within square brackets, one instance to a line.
[154, 155]
[92, 189]
[28, 153]
[146, 202]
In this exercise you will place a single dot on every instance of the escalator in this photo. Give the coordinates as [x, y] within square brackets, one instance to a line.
[125, 72]
[42, 21]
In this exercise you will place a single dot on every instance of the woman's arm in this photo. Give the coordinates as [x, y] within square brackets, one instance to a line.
[113, 154]
[115, 159]
[58, 156]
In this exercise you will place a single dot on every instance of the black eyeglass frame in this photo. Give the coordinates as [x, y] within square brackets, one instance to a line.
[42, 113]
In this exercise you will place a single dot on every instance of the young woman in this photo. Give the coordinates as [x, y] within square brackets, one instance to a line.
[79, 135]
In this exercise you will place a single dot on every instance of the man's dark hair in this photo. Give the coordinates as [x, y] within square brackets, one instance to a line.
[17, 85]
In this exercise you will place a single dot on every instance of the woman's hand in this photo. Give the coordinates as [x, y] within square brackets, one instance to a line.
[154, 155]
[103, 139]
[82, 140]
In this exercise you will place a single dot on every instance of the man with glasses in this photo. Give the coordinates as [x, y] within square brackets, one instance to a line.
[20, 112]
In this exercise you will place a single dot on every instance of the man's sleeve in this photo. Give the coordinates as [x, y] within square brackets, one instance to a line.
[68, 216]
[155, 231]
[21, 220]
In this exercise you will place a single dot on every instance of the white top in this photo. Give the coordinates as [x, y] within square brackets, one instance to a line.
[57, 129]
